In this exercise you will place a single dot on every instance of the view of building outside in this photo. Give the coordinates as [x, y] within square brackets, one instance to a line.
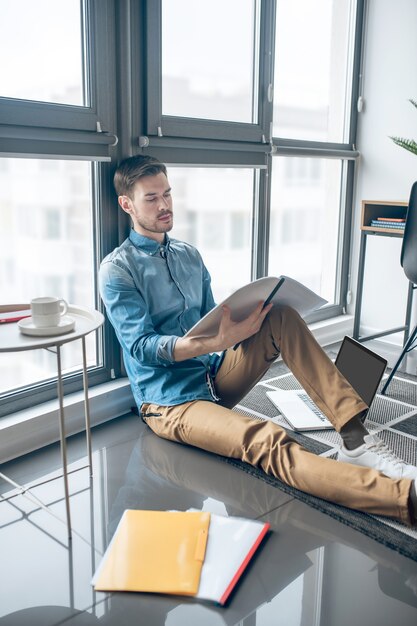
[43, 44]
[46, 236]
[213, 211]
[313, 50]
[46, 232]
[209, 72]
[310, 103]
[305, 219]
[46, 249]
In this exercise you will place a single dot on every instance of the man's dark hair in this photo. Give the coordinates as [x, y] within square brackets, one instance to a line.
[133, 169]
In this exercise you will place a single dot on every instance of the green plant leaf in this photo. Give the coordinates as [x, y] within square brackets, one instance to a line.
[407, 144]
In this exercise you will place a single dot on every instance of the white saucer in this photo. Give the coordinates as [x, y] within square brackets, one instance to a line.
[27, 327]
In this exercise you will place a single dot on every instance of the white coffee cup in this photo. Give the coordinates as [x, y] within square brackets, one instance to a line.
[47, 311]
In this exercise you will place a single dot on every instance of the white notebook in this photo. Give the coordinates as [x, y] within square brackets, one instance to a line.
[232, 542]
[282, 290]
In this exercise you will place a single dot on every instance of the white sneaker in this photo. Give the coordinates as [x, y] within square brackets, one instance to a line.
[375, 453]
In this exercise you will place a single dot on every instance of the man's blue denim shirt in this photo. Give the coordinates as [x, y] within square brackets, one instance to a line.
[153, 294]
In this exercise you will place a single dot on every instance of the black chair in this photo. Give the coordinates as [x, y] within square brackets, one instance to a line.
[409, 264]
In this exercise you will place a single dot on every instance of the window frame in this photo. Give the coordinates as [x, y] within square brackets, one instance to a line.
[44, 129]
[55, 131]
[185, 140]
[24, 397]
[349, 155]
[204, 142]
[125, 40]
[160, 125]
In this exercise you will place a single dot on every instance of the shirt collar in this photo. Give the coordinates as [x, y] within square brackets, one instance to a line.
[150, 246]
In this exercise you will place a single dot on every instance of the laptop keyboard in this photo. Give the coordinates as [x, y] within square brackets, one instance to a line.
[309, 402]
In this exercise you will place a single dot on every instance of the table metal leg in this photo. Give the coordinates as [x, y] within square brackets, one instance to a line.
[359, 288]
[63, 438]
[359, 294]
[27, 493]
[87, 408]
[408, 312]
[407, 348]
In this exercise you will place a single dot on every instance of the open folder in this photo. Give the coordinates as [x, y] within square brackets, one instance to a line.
[232, 543]
[155, 551]
[185, 553]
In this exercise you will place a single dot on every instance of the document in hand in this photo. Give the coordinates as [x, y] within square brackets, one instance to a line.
[279, 291]
[232, 543]
[155, 551]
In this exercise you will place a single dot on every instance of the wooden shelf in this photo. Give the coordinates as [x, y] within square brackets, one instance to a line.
[372, 209]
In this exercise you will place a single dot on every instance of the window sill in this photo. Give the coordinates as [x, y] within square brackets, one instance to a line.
[34, 428]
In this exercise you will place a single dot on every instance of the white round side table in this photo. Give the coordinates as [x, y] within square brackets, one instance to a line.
[13, 340]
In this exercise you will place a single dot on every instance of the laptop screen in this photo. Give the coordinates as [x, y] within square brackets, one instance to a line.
[361, 367]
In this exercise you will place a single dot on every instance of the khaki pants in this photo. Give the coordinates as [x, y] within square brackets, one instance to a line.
[216, 428]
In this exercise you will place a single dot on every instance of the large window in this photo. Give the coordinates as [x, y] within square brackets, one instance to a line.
[57, 126]
[305, 216]
[313, 69]
[213, 211]
[316, 51]
[46, 249]
[209, 69]
[52, 69]
[250, 103]
[267, 84]
[207, 63]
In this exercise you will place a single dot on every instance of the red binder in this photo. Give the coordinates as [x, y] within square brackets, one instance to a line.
[232, 543]
[13, 312]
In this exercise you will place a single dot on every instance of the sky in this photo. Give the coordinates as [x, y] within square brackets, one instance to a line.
[40, 48]
[41, 43]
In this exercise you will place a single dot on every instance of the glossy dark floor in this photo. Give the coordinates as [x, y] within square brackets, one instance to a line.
[311, 570]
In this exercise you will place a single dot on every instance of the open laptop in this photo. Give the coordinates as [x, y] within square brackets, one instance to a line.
[362, 368]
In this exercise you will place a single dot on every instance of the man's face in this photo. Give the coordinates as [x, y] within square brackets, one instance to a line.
[150, 206]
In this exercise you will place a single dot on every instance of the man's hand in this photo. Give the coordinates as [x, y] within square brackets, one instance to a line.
[229, 334]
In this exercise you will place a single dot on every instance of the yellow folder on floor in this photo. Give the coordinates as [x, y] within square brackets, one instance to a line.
[155, 551]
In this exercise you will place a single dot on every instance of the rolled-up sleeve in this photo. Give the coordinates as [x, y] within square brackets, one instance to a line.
[129, 316]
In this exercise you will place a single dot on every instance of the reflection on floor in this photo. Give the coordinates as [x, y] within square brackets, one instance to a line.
[311, 570]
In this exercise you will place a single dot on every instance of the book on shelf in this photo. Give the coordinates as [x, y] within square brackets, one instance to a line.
[391, 219]
[388, 224]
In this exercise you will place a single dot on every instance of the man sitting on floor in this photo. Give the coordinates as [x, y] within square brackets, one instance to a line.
[156, 288]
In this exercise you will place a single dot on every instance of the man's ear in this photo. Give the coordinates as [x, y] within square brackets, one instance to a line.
[125, 203]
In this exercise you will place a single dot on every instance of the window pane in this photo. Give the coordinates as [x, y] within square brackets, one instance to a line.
[312, 83]
[213, 211]
[46, 249]
[42, 43]
[305, 214]
[208, 63]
